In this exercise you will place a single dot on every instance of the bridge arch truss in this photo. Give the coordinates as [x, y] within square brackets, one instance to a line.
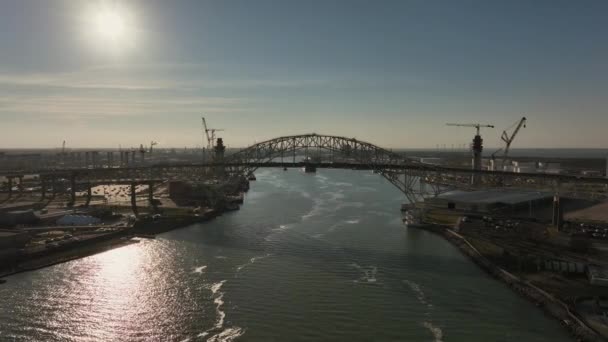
[394, 167]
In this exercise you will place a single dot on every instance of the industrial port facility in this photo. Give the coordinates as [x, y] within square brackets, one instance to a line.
[541, 220]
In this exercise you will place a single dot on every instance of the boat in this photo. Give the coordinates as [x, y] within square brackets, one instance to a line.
[284, 168]
[309, 168]
[251, 177]
[412, 217]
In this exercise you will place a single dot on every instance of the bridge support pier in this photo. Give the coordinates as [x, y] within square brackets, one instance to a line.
[42, 188]
[10, 186]
[133, 199]
[557, 212]
[20, 184]
[72, 188]
[89, 195]
[151, 194]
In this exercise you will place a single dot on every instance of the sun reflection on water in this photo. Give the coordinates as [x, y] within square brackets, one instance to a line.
[110, 297]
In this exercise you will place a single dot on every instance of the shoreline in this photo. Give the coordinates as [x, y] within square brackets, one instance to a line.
[550, 305]
[145, 228]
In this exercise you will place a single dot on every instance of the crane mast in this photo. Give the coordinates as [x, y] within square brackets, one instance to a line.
[210, 137]
[476, 147]
[152, 144]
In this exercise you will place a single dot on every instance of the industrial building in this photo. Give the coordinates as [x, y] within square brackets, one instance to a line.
[15, 217]
[491, 200]
[597, 275]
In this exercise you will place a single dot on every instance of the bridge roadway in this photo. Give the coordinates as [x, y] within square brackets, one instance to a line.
[140, 173]
[107, 173]
[415, 179]
[440, 176]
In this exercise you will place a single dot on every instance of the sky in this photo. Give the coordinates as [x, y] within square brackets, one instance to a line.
[110, 73]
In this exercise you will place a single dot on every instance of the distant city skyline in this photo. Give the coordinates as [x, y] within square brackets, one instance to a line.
[110, 73]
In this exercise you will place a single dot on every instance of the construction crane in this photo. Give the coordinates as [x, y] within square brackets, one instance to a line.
[477, 126]
[476, 147]
[152, 144]
[206, 130]
[142, 151]
[508, 139]
[210, 137]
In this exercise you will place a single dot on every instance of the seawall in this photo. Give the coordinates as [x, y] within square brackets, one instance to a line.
[548, 303]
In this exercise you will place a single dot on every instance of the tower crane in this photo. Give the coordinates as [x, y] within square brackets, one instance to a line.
[142, 151]
[476, 125]
[508, 139]
[476, 147]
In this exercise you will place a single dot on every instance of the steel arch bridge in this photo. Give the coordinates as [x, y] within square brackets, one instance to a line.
[416, 180]
[402, 172]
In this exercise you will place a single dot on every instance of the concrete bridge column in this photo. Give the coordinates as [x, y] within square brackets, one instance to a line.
[10, 186]
[53, 186]
[110, 159]
[89, 195]
[73, 188]
[20, 185]
[151, 193]
[133, 199]
[556, 218]
[42, 187]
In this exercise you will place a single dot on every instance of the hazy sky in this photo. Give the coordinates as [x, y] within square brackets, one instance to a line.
[389, 72]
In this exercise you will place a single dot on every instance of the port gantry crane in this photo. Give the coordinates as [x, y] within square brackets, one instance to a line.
[476, 147]
[508, 139]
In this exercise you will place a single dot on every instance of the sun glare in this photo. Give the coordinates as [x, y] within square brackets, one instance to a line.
[110, 27]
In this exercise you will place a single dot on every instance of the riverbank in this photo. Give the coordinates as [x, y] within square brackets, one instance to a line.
[146, 227]
[548, 303]
[87, 248]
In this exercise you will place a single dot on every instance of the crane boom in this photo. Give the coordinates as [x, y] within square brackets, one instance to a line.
[207, 133]
[476, 148]
[509, 139]
[476, 125]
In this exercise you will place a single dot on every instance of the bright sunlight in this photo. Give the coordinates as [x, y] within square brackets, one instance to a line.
[110, 27]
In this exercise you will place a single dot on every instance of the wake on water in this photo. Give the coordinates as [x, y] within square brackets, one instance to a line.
[251, 261]
[420, 295]
[199, 269]
[220, 334]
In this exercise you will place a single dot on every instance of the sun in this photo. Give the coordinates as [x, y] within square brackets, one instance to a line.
[110, 27]
[109, 24]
